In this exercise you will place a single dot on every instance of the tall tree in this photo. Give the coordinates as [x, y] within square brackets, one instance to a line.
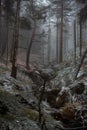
[8, 13]
[80, 64]
[7, 7]
[0, 24]
[80, 37]
[82, 18]
[49, 36]
[30, 45]
[15, 41]
[32, 36]
[75, 42]
[57, 36]
[0, 7]
[61, 33]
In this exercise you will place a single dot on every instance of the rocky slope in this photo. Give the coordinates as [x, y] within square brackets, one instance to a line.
[63, 106]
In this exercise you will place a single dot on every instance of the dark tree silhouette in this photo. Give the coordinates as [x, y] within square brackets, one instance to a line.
[75, 42]
[61, 33]
[15, 41]
[80, 64]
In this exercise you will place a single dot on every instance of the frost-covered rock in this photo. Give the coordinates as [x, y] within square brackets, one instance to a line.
[77, 87]
[18, 124]
[54, 125]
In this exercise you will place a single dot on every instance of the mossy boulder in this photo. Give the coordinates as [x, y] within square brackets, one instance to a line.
[10, 102]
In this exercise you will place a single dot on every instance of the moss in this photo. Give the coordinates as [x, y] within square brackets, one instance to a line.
[12, 103]
[31, 114]
[8, 117]
[34, 115]
[2, 92]
[49, 118]
[7, 97]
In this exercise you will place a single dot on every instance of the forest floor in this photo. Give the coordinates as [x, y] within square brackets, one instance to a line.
[63, 105]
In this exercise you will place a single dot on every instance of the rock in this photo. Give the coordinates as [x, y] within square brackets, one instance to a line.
[10, 102]
[19, 124]
[64, 77]
[77, 88]
[27, 100]
[36, 78]
[54, 125]
[17, 87]
[47, 74]
[81, 74]
[3, 108]
[21, 99]
[51, 97]
[1, 82]
[56, 67]
[63, 97]
[56, 114]
[4, 125]
[45, 107]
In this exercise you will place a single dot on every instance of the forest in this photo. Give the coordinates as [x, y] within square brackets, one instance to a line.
[43, 64]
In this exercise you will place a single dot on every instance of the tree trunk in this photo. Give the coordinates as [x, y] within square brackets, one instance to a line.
[5, 46]
[80, 64]
[30, 45]
[49, 39]
[57, 37]
[84, 33]
[15, 41]
[75, 42]
[7, 40]
[80, 37]
[12, 47]
[32, 37]
[0, 8]
[77, 28]
[0, 25]
[11, 52]
[61, 34]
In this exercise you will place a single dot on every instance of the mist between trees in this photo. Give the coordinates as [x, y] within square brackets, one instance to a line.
[41, 32]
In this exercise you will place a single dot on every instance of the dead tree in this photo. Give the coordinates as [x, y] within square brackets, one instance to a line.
[80, 64]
